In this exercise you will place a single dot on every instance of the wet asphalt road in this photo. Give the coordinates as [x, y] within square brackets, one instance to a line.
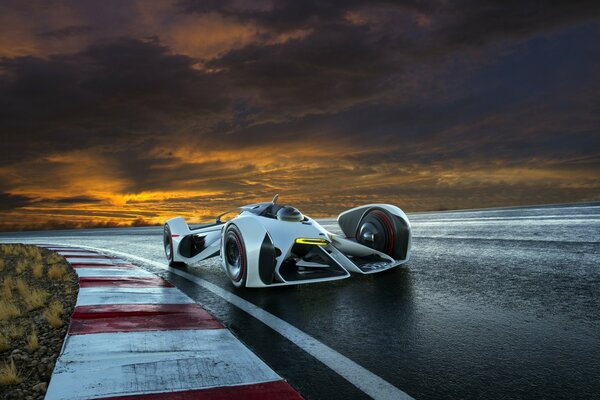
[494, 304]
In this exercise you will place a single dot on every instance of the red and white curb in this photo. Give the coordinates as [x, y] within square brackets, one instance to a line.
[133, 335]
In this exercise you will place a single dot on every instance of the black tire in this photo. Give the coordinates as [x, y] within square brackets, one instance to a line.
[234, 256]
[376, 230]
[169, 250]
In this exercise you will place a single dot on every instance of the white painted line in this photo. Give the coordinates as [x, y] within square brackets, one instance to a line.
[86, 272]
[84, 260]
[119, 295]
[72, 253]
[125, 363]
[371, 384]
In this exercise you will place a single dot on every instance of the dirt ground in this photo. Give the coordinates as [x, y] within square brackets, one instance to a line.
[38, 291]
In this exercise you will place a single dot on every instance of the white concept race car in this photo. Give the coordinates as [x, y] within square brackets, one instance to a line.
[269, 244]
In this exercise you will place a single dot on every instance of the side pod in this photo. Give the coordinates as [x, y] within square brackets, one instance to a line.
[178, 227]
[193, 245]
[175, 230]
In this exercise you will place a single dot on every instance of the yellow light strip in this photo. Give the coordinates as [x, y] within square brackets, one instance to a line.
[315, 241]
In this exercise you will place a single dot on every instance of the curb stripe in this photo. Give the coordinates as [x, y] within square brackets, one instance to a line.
[128, 363]
[119, 266]
[90, 255]
[93, 265]
[109, 310]
[73, 253]
[89, 271]
[94, 260]
[371, 384]
[125, 281]
[124, 342]
[259, 391]
[109, 295]
[137, 318]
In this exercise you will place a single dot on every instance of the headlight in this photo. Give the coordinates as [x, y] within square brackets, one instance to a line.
[315, 241]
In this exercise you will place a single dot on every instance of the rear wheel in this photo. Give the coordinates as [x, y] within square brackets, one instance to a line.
[169, 250]
[234, 256]
[376, 231]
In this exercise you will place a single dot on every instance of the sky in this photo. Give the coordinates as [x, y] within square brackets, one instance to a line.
[132, 112]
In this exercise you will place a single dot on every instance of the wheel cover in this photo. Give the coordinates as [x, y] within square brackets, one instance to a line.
[234, 257]
[375, 231]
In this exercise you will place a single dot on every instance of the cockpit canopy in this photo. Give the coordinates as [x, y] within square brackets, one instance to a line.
[290, 214]
[280, 212]
[273, 210]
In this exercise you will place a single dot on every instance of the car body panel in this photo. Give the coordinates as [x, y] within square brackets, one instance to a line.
[281, 252]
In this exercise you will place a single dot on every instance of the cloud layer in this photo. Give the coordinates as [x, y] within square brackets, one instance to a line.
[134, 111]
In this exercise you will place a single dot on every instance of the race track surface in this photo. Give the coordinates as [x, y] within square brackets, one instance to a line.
[498, 303]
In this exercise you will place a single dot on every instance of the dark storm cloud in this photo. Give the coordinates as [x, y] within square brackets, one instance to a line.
[339, 65]
[330, 69]
[284, 15]
[475, 22]
[130, 92]
[290, 14]
[160, 173]
[463, 21]
[75, 200]
[11, 201]
[68, 31]
[119, 93]
[103, 103]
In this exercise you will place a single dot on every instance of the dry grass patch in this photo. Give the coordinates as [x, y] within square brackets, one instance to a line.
[54, 313]
[4, 344]
[21, 266]
[32, 342]
[22, 287]
[10, 249]
[33, 298]
[54, 258]
[37, 270]
[9, 374]
[36, 298]
[8, 310]
[1, 265]
[7, 288]
[56, 272]
[33, 253]
[14, 331]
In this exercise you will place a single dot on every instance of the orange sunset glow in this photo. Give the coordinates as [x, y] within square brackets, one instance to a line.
[127, 113]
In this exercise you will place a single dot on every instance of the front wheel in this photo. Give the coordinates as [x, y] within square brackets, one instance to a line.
[234, 256]
[169, 250]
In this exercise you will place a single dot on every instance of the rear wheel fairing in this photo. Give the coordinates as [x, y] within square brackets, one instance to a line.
[211, 238]
[179, 229]
[381, 220]
[184, 241]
